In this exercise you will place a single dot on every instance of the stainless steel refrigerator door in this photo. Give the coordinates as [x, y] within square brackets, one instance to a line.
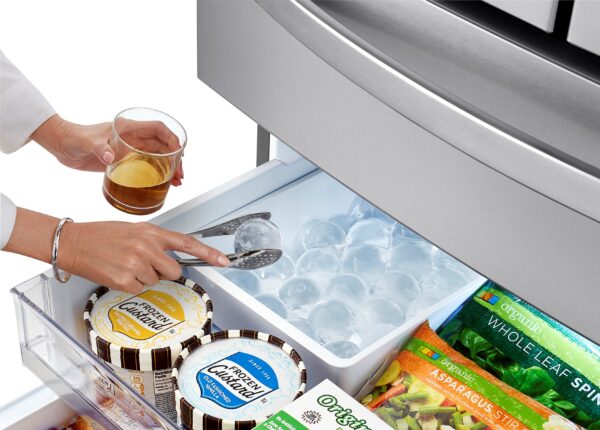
[521, 205]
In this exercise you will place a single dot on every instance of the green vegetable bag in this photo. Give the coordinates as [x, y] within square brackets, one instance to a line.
[529, 351]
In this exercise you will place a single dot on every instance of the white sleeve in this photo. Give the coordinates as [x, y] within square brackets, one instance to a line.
[22, 107]
[8, 215]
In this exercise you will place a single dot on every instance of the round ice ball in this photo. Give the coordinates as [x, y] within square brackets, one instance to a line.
[282, 269]
[441, 259]
[257, 234]
[378, 310]
[370, 231]
[398, 287]
[365, 261]
[360, 209]
[304, 326]
[402, 234]
[323, 234]
[422, 304]
[299, 291]
[343, 221]
[444, 281]
[333, 320]
[411, 258]
[385, 218]
[343, 348]
[347, 288]
[273, 303]
[374, 333]
[245, 280]
[318, 260]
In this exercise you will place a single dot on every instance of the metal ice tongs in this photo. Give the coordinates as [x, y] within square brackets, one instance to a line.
[248, 260]
[229, 227]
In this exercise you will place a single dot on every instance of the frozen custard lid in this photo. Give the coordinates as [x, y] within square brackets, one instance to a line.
[147, 331]
[236, 379]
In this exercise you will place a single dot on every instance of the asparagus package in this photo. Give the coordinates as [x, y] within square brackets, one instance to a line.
[430, 386]
[529, 351]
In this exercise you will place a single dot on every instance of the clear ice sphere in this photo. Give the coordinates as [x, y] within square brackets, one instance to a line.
[365, 261]
[360, 209]
[257, 234]
[304, 326]
[374, 333]
[385, 218]
[444, 281]
[402, 234]
[376, 311]
[344, 221]
[370, 231]
[323, 234]
[343, 348]
[398, 287]
[347, 288]
[273, 303]
[282, 269]
[299, 291]
[411, 258]
[441, 259]
[318, 260]
[245, 280]
[422, 303]
[333, 320]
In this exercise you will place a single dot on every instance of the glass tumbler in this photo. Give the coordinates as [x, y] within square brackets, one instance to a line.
[148, 145]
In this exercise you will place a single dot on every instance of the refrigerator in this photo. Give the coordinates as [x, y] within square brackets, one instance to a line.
[473, 124]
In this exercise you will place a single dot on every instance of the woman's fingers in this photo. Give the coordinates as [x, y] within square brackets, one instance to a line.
[166, 267]
[184, 243]
[178, 175]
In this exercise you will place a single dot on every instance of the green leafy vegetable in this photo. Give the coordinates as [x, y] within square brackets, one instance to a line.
[536, 381]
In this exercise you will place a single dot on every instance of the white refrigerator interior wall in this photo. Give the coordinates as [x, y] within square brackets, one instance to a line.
[91, 60]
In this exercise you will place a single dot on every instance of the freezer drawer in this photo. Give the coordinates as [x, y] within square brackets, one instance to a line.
[486, 149]
[53, 338]
[56, 414]
[315, 196]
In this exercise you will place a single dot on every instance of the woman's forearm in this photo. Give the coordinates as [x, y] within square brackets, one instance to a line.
[32, 235]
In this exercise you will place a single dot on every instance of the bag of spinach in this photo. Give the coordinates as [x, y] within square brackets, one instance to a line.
[529, 351]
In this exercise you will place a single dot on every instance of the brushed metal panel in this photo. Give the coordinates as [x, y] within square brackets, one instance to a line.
[468, 132]
[507, 85]
[541, 250]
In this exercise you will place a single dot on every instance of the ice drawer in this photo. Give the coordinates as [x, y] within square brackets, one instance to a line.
[314, 196]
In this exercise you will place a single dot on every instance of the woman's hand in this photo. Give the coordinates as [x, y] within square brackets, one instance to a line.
[127, 256]
[119, 255]
[86, 147]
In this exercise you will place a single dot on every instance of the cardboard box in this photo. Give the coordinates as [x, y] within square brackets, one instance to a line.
[325, 407]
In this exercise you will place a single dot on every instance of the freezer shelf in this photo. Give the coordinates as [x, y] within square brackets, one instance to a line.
[53, 338]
